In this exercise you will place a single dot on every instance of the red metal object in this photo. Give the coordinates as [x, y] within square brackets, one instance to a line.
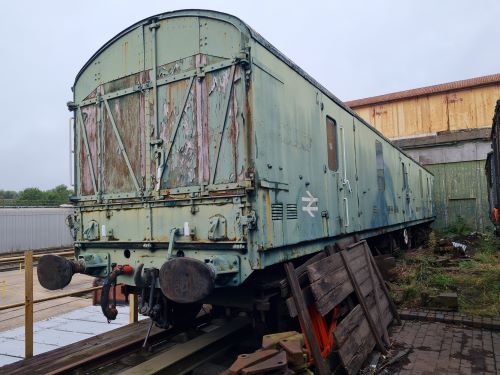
[126, 269]
[322, 330]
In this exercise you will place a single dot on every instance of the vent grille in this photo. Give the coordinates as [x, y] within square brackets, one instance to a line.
[277, 211]
[291, 211]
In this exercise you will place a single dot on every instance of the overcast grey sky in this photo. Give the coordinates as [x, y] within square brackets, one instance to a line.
[354, 48]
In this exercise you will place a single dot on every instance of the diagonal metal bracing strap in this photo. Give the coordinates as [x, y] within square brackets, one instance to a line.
[178, 120]
[224, 120]
[122, 148]
[174, 132]
[87, 148]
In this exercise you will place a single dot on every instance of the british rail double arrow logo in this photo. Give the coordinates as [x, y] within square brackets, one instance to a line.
[312, 204]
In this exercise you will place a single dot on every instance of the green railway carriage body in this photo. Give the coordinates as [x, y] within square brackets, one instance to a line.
[191, 120]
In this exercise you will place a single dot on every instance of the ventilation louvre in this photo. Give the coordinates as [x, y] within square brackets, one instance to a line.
[277, 211]
[291, 211]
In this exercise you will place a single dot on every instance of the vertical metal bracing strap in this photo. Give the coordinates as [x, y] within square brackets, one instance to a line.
[87, 148]
[153, 28]
[213, 170]
[120, 144]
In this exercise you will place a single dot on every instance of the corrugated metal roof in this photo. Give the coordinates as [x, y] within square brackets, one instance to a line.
[429, 90]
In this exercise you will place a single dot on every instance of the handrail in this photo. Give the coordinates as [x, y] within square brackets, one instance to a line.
[35, 256]
[50, 298]
[29, 301]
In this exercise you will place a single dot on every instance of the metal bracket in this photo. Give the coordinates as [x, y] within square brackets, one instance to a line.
[95, 263]
[173, 232]
[249, 220]
[217, 228]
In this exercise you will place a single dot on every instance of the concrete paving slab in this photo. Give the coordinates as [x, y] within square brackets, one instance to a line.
[59, 331]
[84, 327]
[15, 348]
[58, 338]
[7, 359]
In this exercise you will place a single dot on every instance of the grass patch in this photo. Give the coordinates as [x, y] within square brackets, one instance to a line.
[441, 281]
[476, 280]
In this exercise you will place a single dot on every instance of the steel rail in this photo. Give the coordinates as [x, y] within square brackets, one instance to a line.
[113, 353]
[185, 357]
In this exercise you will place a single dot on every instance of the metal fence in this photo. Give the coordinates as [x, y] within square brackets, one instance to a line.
[23, 228]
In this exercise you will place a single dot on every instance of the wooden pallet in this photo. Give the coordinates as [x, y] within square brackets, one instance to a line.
[328, 282]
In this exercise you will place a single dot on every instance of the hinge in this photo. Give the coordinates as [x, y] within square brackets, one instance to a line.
[154, 25]
[250, 220]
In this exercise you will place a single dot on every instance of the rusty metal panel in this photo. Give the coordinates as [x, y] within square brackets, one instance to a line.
[460, 190]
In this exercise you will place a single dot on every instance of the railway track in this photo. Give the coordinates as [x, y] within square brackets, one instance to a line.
[11, 261]
[120, 351]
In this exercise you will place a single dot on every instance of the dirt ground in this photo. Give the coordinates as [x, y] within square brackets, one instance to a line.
[467, 265]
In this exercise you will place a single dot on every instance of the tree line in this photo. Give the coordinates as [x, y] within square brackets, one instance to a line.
[36, 197]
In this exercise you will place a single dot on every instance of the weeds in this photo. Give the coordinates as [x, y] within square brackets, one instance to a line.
[476, 280]
[460, 226]
[441, 280]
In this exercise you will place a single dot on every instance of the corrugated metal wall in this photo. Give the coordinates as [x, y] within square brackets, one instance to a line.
[34, 228]
[460, 190]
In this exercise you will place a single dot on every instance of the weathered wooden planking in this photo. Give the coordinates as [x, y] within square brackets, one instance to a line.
[433, 113]
[360, 355]
[355, 251]
[362, 302]
[328, 295]
[326, 267]
[308, 298]
[354, 340]
[322, 367]
[323, 267]
[385, 317]
[348, 325]
[301, 273]
[330, 283]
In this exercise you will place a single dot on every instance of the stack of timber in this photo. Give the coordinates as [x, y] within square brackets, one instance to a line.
[343, 307]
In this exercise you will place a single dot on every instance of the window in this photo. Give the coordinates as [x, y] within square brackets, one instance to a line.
[379, 156]
[331, 143]
[421, 183]
[405, 176]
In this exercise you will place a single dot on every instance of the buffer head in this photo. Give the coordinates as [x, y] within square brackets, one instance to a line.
[54, 272]
[186, 280]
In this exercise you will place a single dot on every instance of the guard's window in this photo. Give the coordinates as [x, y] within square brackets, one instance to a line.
[405, 176]
[379, 156]
[331, 143]
[421, 183]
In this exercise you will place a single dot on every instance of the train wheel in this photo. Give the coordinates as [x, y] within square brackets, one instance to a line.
[405, 239]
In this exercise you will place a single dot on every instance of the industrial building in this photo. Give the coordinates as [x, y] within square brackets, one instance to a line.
[34, 228]
[447, 128]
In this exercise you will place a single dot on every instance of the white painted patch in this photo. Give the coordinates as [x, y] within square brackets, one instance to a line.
[103, 230]
[312, 204]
